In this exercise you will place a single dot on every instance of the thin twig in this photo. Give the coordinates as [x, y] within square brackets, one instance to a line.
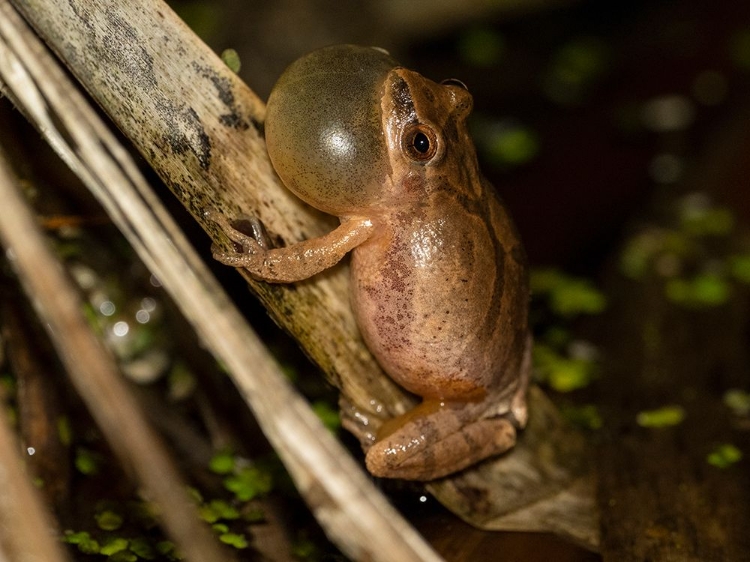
[25, 526]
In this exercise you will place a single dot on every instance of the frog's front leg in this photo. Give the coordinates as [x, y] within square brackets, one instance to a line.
[437, 440]
[292, 263]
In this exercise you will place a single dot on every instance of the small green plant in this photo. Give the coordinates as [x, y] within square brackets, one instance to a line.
[705, 289]
[83, 541]
[114, 546]
[216, 510]
[237, 540]
[232, 59]
[560, 372]
[327, 414]
[567, 296]
[222, 463]
[505, 143]
[481, 46]
[724, 456]
[248, 483]
[738, 401]
[562, 362]
[585, 417]
[666, 416]
[108, 520]
[87, 462]
[243, 480]
[104, 542]
[691, 258]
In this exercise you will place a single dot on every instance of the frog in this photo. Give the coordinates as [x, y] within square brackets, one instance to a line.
[438, 273]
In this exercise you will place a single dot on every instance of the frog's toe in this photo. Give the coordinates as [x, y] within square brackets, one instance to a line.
[248, 258]
[401, 455]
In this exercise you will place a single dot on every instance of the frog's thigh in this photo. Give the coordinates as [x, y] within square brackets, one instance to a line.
[404, 454]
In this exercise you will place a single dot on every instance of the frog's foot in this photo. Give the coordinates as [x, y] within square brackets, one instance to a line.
[429, 447]
[362, 424]
[252, 246]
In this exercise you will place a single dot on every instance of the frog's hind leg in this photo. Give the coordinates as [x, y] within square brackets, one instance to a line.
[429, 447]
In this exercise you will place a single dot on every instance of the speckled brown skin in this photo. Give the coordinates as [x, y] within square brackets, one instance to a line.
[439, 277]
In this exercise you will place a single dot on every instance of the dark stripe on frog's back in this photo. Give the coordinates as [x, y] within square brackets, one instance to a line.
[481, 209]
[513, 262]
[404, 105]
[478, 204]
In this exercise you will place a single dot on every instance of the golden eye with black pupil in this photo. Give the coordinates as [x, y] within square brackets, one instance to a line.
[420, 143]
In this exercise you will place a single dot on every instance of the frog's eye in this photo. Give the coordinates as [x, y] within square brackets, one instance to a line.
[454, 82]
[420, 142]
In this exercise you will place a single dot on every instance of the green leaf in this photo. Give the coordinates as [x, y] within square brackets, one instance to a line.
[114, 546]
[142, 548]
[586, 417]
[703, 290]
[639, 252]
[64, 431]
[577, 297]
[222, 463]
[724, 456]
[574, 69]
[165, 547]
[123, 556]
[208, 514]
[568, 296]
[665, 416]
[87, 462]
[738, 401]
[83, 541]
[248, 483]
[216, 510]
[563, 374]
[108, 520]
[545, 280]
[304, 548]
[739, 267]
[236, 540]
[709, 221]
[481, 47]
[232, 59]
[512, 145]
[327, 414]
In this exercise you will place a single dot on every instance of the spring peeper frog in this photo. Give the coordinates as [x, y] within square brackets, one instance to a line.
[438, 274]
